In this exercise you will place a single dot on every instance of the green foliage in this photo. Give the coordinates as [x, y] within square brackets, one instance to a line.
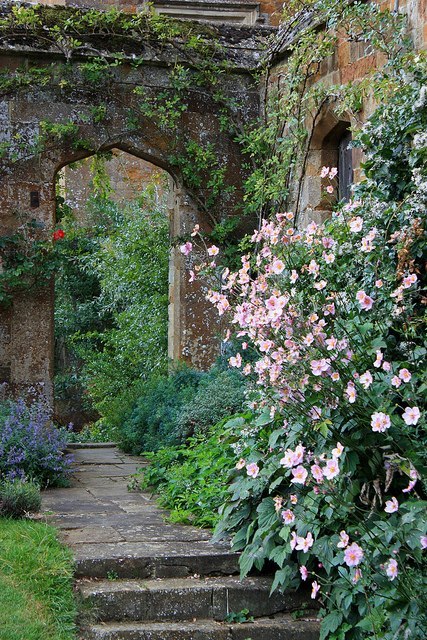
[111, 299]
[190, 479]
[153, 419]
[60, 132]
[112, 575]
[19, 498]
[239, 617]
[93, 432]
[219, 394]
[28, 261]
[187, 402]
[36, 578]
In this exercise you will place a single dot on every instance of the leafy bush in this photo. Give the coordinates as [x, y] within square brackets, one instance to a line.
[188, 402]
[19, 498]
[31, 447]
[220, 394]
[190, 479]
[329, 481]
[94, 432]
[152, 423]
[111, 303]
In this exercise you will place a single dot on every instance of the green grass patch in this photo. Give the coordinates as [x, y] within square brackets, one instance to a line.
[36, 577]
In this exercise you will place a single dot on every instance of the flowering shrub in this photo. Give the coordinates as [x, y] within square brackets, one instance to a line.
[31, 447]
[330, 468]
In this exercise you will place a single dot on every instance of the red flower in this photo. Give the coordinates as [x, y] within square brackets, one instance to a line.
[58, 235]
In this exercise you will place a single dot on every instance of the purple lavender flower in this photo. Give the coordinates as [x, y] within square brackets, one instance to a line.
[31, 447]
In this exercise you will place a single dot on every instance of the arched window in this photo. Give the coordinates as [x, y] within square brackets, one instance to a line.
[337, 152]
[345, 167]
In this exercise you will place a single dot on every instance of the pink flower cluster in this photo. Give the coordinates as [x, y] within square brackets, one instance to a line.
[288, 306]
[293, 460]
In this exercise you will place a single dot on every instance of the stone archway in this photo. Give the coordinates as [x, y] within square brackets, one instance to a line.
[27, 191]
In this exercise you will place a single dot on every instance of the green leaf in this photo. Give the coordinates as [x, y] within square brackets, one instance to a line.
[264, 418]
[267, 515]
[330, 623]
[282, 578]
[279, 554]
[234, 422]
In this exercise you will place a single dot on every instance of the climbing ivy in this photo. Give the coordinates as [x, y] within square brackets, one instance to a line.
[195, 57]
[90, 46]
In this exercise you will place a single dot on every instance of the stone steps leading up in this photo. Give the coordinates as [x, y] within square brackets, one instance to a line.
[143, 578]
[186, 599]
[279, 627]
[162, 559]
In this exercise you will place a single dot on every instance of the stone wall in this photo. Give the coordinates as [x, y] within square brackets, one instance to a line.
[127, 176]
[27, 189]
[350, 62]
[234, 11]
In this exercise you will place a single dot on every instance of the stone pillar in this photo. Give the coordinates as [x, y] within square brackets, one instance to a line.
[26, 326]
[32, 340]
[193, 323]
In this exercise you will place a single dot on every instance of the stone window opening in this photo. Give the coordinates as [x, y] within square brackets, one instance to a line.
[329, 147]
[337, 152]
[345, 167]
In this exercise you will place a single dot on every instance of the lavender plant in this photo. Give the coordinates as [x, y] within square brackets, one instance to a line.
[31, 447]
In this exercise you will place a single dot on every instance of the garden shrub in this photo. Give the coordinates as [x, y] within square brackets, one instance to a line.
[93, 432]
[188, 402]
[152, 422]
[31, 447]
[190, 478]
[329, 480]
[19, 498]
[220, 394]
[111, 303]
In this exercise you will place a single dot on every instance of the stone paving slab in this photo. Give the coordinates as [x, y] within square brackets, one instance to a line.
[97, 534]
[176, 599]
[110, 528]
[107, 470]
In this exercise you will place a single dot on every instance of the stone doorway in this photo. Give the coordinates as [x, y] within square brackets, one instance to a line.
[113, 217]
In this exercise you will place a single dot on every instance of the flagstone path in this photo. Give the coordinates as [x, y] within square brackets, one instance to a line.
[146, 579]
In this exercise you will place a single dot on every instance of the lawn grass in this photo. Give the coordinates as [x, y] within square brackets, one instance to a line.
[36, 576]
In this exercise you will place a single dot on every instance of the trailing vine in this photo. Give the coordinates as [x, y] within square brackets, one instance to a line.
[94, 44]
[90, 46]
[295, 94]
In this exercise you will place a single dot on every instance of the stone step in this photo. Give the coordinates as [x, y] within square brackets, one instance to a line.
[179, 600]
[71, 446]
[163, 559]
[279, 627]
